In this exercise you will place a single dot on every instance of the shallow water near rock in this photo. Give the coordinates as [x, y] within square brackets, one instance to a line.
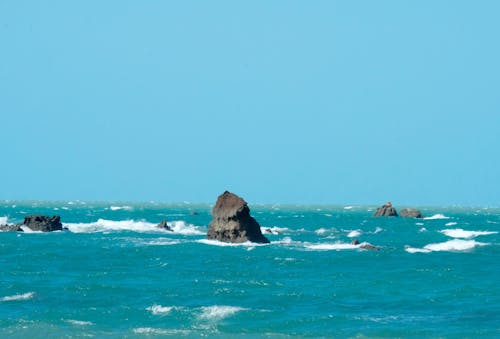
[113, 273]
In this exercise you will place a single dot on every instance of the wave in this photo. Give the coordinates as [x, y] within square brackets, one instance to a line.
[450, 223]
[460, 233]
[118, 208]
[437, 217]
[274, 230]
[79, 322]
[228, 244]
[161, 331]
[455, 245]
[4, 220]
[353, 234]
[103, 225]
[335, 247]
[24, 296]
[158, 309]
[219, 312]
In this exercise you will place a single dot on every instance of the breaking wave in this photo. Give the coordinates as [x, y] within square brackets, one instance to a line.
[103, 225]
[460, 233]
[437, 217]
[355, 233]
[4, 220]
[455, 245]
[228, 244]
[118, 208]
[219, 312]
[158, 309]
[25, 296]
[333, 247]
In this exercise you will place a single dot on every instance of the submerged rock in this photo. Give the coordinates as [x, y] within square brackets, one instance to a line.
[43, 223]
[163, 224]
[365, 246]
[11, 228]
[232, 221]
[411, 213]
[386, 211]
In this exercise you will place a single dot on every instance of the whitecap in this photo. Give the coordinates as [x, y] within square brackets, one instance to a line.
[460, 233]
[330, 247]
[228, 244]
[102, 225]
[118, 208]
[79, 322]
[158, 309]
[348, 207]
[451, 223]
[321, 231]
[160, 331]
[422, 230]
[24, 296]
[355, 233]
[455, 245]
[219, 312]
[160, 242]
[274, 230]
[378, 230]
[185, 229]
[4, 220]
[437, 217]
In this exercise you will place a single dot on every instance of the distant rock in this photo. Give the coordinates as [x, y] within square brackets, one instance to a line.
[193, 213]
[43, 223]
[11, 228]
[232, 221]
[386, 211]
[163, 225]
[365, 246]
[410, 213]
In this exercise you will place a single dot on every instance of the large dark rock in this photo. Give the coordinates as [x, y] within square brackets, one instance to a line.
[386, 211]
[43, 223]
[411, 213]
[232, 221]
[163, 224]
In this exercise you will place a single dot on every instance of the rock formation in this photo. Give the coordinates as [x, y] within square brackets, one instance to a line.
[232, 221]
[411, 213]
[43, 223]
[163, 224]
[386, 211]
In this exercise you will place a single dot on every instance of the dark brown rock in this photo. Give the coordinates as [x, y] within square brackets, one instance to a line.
[232, 221]
[163, 224]
[43, 223]
[411, 213]
[386, 211]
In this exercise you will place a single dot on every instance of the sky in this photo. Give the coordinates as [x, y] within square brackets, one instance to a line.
[330, 102]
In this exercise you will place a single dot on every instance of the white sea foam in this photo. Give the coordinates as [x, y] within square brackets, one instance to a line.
[330, 247]
[378, 230]
[24, 296]
[422, 230]
[160, 242]
[118, 208]
[321, 231]
[227, 244]
[185, 229]
[4, 220]
[219, 312]
[437, 217]
[455, 245]
[460, 233]
[160, 331]
[103, 225]
[451, 223]
[348, 207]
[79, 322]
[274, 230]
[355, 233]
[158, 309]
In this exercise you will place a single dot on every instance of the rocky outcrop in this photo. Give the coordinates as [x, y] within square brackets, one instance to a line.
[386, 211]
[232, 221]
[43, 223]
[163, 225]
[411, 213]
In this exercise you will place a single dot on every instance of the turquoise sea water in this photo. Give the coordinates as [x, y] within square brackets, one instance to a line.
[112, 274]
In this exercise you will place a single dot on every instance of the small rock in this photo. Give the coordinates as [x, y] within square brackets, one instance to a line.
[163, 224]
[411, 213]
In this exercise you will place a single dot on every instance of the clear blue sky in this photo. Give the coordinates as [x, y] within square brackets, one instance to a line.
[344, 102]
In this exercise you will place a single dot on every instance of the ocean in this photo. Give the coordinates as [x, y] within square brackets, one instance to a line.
[114, 274]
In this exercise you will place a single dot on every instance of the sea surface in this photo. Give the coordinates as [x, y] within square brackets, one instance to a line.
[114, 274]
